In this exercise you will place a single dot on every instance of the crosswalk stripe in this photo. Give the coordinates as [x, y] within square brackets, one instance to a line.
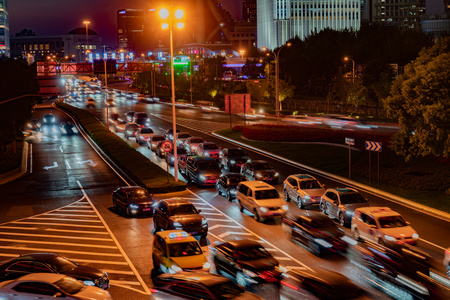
[106, 262]
[118, 272]
[75, 231]
[56, 236]
[58, 250]
[58, 224]
[13, 227]
[120, 282]
[72, 215]
[63, 219]
[57, 243]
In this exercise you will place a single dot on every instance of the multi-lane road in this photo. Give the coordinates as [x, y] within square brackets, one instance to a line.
[64, 206]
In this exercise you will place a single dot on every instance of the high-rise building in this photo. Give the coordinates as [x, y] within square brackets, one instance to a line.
[405, 14]
[280, 20]
[249, 11]
[4, 29]
[130, 27]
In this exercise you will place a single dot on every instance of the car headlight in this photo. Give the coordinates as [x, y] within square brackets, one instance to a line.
[390, 238]
[45, 120]
[276, 174]
[206, 266]
[232, 161]
[205, 154]
[177, 225]
[174, 269]
[74, 130]
[53, 119]
[323, 243]
[249, 273]
[134, 206]
[172, 159]
[202, 177]
[89, 282]
[415, 236]
[204, 222]
[284, 207]
[263, 209]
[307, 197]
[349, 212]
[258, 175]
[233, 192]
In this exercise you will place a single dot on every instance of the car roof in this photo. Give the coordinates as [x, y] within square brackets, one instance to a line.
[257, 185]
[378, 211]
[175, 236]
[46, 277]
[345, 190]
[244, 243]
[203, 158]
[204, 278]
[208, 143]
[233, 175]
[176, 201]
[132, 188]
[303, 176]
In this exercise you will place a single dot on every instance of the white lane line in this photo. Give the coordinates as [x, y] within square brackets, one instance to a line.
[216, 237]
[76, 231]
[437, 246]
[294, 267]
[210, 214]
[63, 219]
[58, 224]
[76, 210]
[56, 236]
[57, 243]
[61, 149]
[256, 235]
[281, 258]
[13, 227]
[121, 282]
[67, 164]
[72, 215]
[138, 276]
[206, 208]
[105, 262]
[8, 255]
[222, 226]
[225, 234]
[118, 272]
[59, 250]
[219, 220]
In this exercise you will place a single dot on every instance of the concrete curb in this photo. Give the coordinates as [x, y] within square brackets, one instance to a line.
[399, 200]
[19, 171]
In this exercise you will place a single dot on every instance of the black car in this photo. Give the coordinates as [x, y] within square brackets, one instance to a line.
[130, 115]
[68, 128]
[52, 263]
[227, 183]
[318, 284]
[202, 170]
[143, 122]
[170, 156]
[260, 170]
[48, 119]
[34, 125]
[232, 158]
[168, 134]
[318, 232]
[179, 214]
[159, 150]
[133, 200]
[247, 261]
[199, 285]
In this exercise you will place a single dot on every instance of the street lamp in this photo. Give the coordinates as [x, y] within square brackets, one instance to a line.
[241, 52]
[353, 68]
[87, 39]
[171, 16]
[277, 80]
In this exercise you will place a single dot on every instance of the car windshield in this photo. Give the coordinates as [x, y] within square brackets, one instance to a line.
[252, 253]
[226, 290]
[69, 285]
[184, 136]
[180, 151]
[184, 249]
[158, 138]
[352, 198]
[196, 141]
[141, 120]
[262, 166]
[236, 152]
[392, 222]
[266, 194]
[236, 180]
[309, 185]
[138, 194]
[133, 127]
[61, 265]
[208, 165]
[210, 147]
[146, 130]
[185, 209]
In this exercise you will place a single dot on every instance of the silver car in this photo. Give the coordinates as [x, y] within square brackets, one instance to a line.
[191, 144]
[304, 189]
[182, 137]
[208, 149]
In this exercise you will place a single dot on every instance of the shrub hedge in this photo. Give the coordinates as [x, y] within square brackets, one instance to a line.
[133, 163]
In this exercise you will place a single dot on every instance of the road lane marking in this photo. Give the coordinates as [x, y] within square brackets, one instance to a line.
[67, 164]
[59, 250]
[57, 243]
[120, 282]
[118, 272]
[222, 226]
[57, 236]
[75, 231]
[61, 149]
[210, 214]
[219, 220]
[437, 246]
[105, 262]
[225, 234]
[55, 165]
[72, 215]
[57, 224]
[13, 227]
[63, 219]
[77, 210]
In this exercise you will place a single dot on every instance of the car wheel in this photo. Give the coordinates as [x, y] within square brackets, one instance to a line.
[286, 196]
[342, 220]
[116, 208]
[315, 249]
[356, 235]
[219, 191]
[156, 227]
[256, 215]
[128, 211]
[300, 203]
[229, 196]
[323, 208]
[381, 242]
[240, 206]
[240, 279]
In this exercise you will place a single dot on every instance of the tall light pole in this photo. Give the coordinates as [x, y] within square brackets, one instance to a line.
[87, 38]
[353, 68]
[172, 15]
[106, 95]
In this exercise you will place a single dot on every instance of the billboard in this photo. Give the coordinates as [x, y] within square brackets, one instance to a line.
[237, 103]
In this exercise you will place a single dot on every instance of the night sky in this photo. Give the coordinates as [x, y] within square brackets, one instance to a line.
[55, 17]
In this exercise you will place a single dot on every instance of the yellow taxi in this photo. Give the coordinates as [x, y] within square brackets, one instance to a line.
[177, 250]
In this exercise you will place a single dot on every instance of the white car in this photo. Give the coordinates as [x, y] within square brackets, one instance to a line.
[182, 137]
[191, 144]
[50, 286]
[383, 226]
[304, 189]
[143, 134]
[208, 149]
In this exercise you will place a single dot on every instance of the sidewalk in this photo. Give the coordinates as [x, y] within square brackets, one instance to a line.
[19, 171]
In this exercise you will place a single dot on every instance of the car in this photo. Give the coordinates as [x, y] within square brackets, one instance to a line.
[180, 214]
[176, 250]
[340, 203]
[68, 128]
[159, 151]
[140, 115]
[49, 119]
[261, 199]
[90, 102]
[143, 134]
[153, 140]
[200, 285]
[50, 286]
[130, 130]
[182, 137]
[110, 102]
[182, 163]
[303, 189]
[170, 157]
[133, 200]
[52, 263]
[260, 170]
[203, 171]
[168, 134]
[227, 184]
[33, 125]
[208, 149]
[383, 226]
[232, 158]
[130, 115]
[447, 261]
[119, 125]
[317, 232]
[191, 144]
[319, 283]
[247, 261]
[114, 117]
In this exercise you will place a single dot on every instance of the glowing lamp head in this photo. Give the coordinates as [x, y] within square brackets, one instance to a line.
[165, 25]
[288, 44]
[180, 25]
[163, 13]
[179, 13]
[346, 58]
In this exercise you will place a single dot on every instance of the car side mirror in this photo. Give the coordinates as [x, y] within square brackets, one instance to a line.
[408, 223]
[58, 294]
[295, 187]
[199, 210]
[322, 185]
[373, 226]
[335, 202]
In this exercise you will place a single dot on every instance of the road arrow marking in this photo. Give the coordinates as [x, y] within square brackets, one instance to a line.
[55, 165]
[87, 161]
[60, 148]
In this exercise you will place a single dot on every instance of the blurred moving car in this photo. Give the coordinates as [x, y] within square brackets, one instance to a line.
[191, 144]
[153, 140]
[143, 122]
[52, 263]
[179, 214]
[140, 115]
[168, 134]
[130, 130]
[110, 102]
[68, 128]
[50, 286]
[260, 170]
[133, 200]
[49, 119]
[246, 260]
[304, 189]
[90, 102]
[130, 115]
[143, 134]
[182, 137]
[114, 117]
[340, 203]
[232, 158]
[159, 150]
[200, 285]
[227, 184]
[33, 125]
[343, 122]
[202, 170]
[447, 261]
[383, 226]
[119, 125]
[261, 199]
[176, 250]
[318, 284]
[208, 149]
[318, 232]
[170, 157]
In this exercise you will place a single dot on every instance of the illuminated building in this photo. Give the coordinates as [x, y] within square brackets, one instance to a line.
[130, 28]
[404, 14]
[249, 11]
[4, 29]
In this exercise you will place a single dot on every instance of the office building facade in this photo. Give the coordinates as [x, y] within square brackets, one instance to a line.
[4, 29]
[400, 13]
[280, 20]
[249, 11]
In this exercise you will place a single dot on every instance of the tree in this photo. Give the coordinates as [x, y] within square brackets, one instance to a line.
[378, 77]
[420, 99]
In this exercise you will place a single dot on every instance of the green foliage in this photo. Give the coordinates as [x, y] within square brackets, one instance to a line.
[378, 77]
[420, 99]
